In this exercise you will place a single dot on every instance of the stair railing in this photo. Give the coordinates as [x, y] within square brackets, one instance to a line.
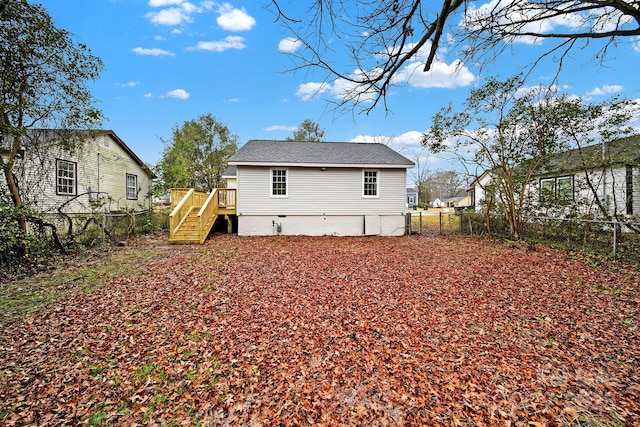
[180, 213]
[207, 215]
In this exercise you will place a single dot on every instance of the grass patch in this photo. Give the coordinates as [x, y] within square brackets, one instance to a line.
[82, 272]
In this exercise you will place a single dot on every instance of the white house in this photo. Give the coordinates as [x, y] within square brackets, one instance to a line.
[100, 174]
[412, 197]
[320, 188]
[573, 179]
[609, 171]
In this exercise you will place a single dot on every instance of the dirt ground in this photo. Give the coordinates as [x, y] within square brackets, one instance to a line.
[413, 330]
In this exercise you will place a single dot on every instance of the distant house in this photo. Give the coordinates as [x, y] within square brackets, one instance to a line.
[320, 188]
[101, 174]
[610, 169]
[412, 198]
[230, 177]
[452, 202]
[568, 180]
[477, 193]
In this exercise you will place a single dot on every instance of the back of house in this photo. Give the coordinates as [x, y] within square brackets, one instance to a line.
[320, 188]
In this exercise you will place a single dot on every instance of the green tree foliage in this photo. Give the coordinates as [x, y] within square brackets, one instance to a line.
[385, 37]
[513, 132]
[307, 131]
[197, 154]
[43, 77]
[503, 129]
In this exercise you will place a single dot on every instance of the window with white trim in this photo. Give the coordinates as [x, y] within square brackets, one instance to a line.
[556, 189]
[132, 187]
[279, 182]
[66, 177]
[370, 183]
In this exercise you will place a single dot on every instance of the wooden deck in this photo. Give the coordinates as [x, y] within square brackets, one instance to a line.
[193, 213]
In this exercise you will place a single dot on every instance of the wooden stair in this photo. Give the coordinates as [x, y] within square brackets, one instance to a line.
[195, 212]
[189, 230]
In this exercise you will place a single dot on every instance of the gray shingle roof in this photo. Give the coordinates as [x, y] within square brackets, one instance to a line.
[287, 153]
[619, 151]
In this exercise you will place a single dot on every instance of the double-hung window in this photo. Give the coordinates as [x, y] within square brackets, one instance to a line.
[278, 182]
[66, 177]
[132, 187]
[370, 183]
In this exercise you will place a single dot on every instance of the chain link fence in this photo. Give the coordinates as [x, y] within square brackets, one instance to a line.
[610, 238]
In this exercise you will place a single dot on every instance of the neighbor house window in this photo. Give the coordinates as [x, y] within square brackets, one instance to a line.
[564, 188]
[556, 189]
[66, 174]
[279, 182]
[132, 187]
[370, 183]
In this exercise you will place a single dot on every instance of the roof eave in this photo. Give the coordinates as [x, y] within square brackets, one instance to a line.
[320, 165]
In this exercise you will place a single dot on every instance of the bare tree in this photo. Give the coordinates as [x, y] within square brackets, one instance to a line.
[386, 39]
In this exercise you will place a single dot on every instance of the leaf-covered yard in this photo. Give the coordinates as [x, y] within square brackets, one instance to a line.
[413, 330]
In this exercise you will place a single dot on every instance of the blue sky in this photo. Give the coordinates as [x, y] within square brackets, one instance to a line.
[169, 61]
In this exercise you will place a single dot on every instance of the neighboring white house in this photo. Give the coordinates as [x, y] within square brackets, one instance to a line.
[230, 177]
[568, 180]
[320, 188]
[477, 192]
[611, 168]
[100, 174]
[412, 198]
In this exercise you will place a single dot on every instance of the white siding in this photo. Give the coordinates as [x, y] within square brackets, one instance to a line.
[102, 165]
[636, 191]
[311, 191]
[318, 202]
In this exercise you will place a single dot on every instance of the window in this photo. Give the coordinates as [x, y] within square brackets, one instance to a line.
[556, 189]
[65, 177]
[370, 183]
[279, 182]
[564, 189]
[132, 187]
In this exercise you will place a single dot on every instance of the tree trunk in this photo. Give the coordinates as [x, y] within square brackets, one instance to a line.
[14, 191]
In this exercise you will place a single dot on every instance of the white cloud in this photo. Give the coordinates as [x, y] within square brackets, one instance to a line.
[229, 42]
[178, 93]
[170, 16]
[233, 19]
[151, 52]
[148, 95]
[289, 44]
[605, 90]
[306, 91]
[441, 75]
[128, 84]
[233, 100]
[636, 44]
[163, 3]
[281, 128]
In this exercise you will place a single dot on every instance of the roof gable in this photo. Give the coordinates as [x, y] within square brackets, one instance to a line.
[54, 136]
[304, 153]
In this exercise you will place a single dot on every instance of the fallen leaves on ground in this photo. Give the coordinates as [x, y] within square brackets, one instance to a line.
[286, 331]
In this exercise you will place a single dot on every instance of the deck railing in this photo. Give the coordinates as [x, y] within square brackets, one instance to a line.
[186, 200]
[227, 198]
